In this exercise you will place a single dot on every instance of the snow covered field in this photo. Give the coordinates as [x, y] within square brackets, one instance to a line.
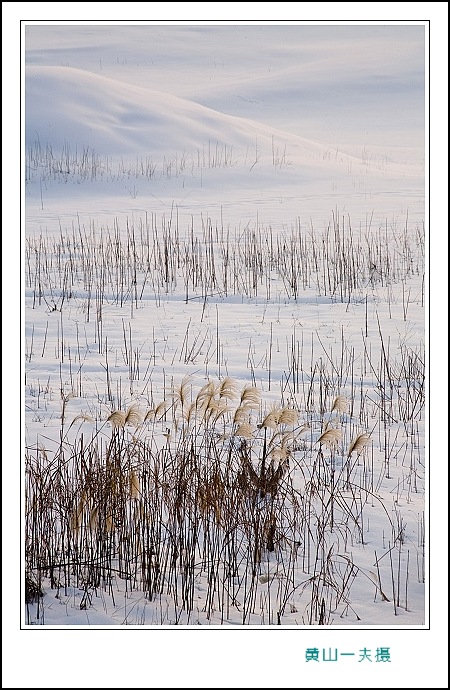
[225, 299]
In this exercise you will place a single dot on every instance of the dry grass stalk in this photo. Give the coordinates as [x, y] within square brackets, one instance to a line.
[135, 486]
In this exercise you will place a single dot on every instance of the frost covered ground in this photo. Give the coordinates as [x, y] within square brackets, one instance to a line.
[225, 295]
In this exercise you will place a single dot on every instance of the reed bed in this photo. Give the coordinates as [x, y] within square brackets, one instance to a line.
[210, 488]
[154, 257]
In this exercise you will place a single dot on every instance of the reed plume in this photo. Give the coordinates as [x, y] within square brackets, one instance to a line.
[227, 389]
[250, 397]
[358, 444]
[205, 395]
[340, 404]
[133, 417]
[241, 414]
[117, 419]
[288, 416]
[81, 418]
[331, 437]
[181, 392]
[244, 430]
[156, 412]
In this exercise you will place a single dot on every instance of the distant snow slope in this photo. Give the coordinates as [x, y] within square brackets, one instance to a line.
[202, 158]
[346, 86]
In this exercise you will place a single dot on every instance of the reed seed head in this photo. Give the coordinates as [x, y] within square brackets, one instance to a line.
[358, 444]
[331, 437]
[340, 404]
[117, 419]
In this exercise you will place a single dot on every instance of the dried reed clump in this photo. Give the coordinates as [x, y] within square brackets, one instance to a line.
[211, 403]
[223, 504]
[358, 444]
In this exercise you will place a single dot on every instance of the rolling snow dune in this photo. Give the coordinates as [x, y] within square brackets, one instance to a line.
[66, 105]
[110, 116]
[71, 106]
